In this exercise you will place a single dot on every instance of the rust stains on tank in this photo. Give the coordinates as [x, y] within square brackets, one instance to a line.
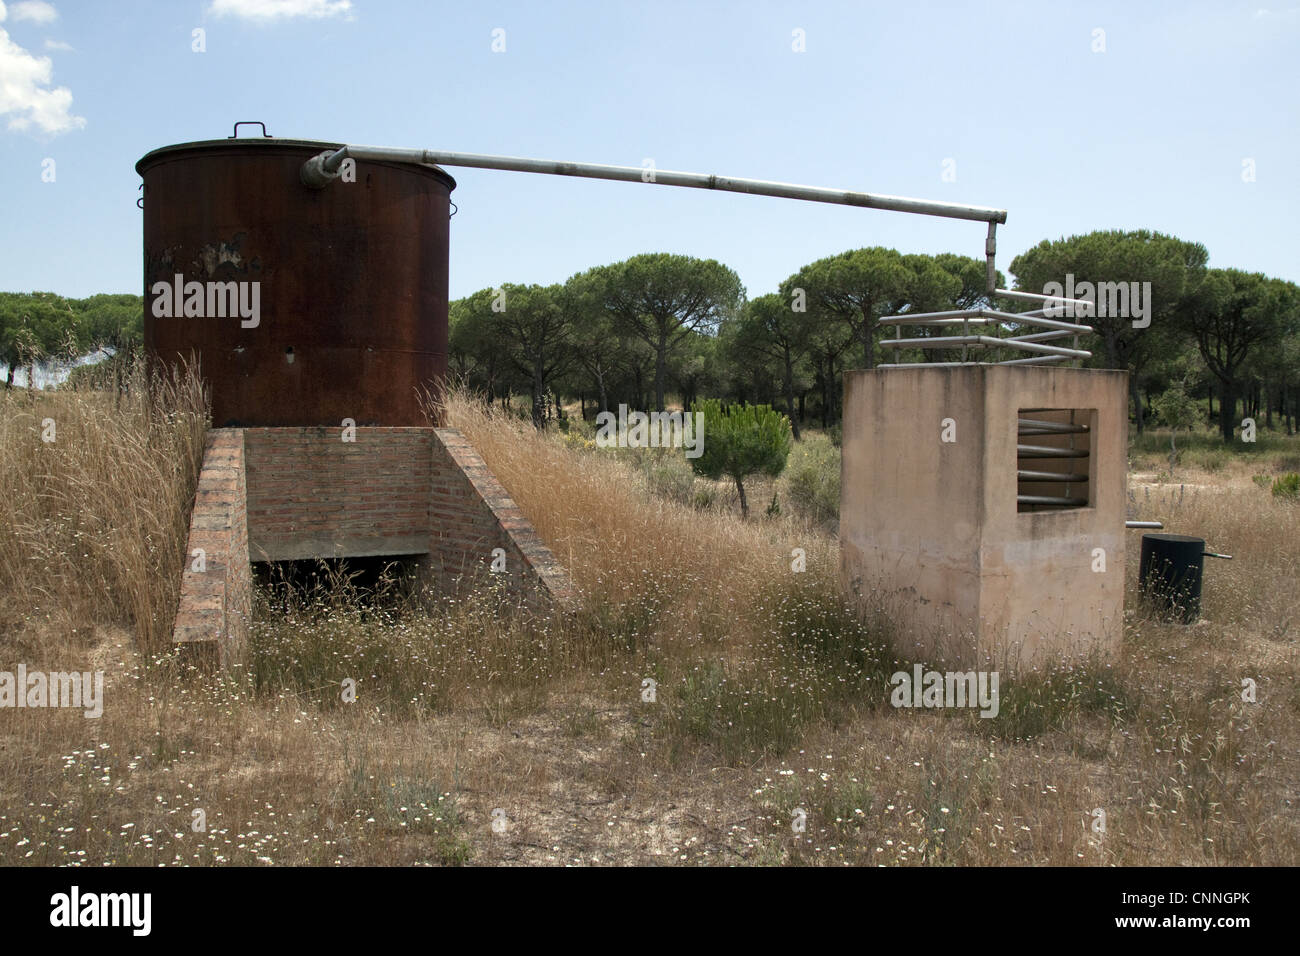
[351, 282]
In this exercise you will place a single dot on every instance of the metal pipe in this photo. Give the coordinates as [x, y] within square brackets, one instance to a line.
[1050, 500]
[1025, 318]
[1034, 426]
[1046, 336]
[1144, 524]
[1036, 297]
[1034, 360]
[323, 169]
[944, 341]
[990, 253]
[1047, 451]
[951, 317]
[1068, 478]
[894, 322]
[984, 317]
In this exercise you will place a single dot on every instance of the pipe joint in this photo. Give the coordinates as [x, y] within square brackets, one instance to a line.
[314, 173]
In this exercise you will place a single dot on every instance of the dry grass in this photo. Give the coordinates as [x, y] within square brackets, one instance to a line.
[770, 697]
[95, 496]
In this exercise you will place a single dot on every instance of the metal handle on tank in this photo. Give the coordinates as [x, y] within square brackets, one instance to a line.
[235, 133]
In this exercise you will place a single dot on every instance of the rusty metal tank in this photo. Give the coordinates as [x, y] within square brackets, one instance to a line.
[303, 306]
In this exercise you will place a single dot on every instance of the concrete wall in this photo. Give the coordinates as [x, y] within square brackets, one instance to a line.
[930, 530]
[216, 602]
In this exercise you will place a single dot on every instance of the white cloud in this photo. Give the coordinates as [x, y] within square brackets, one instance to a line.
[25, 94]
[36, 11]
[57, 45]
[267, 10]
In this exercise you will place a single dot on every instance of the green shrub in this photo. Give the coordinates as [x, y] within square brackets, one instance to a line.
[1288, 487]
[813, 478]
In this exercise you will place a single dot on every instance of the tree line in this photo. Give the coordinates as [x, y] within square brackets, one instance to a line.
[38, 328]
[632, 331]
[636, 331]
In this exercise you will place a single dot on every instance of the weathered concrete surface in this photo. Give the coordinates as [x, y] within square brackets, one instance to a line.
[930, 531]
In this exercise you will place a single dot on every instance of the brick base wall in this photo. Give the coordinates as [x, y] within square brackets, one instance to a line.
[327, 492]
[278, 494]
[473, 516]
[217, 588]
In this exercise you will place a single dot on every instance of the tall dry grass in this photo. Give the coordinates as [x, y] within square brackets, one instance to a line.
[630, 550]
[771, 696]
[95, 494]
[693, 598]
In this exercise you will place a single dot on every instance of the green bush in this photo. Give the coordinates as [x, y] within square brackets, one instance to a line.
[741, 441]
[813, 478]
[1288, 487]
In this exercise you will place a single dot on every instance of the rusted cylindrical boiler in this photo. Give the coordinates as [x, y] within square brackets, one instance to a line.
[303, 306]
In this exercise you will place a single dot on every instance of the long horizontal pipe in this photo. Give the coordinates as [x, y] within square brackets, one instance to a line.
[320, 170]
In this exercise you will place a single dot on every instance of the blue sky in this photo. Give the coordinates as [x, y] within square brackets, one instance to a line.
[1152, 132]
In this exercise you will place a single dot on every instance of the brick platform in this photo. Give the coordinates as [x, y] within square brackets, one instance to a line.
[278, 494]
